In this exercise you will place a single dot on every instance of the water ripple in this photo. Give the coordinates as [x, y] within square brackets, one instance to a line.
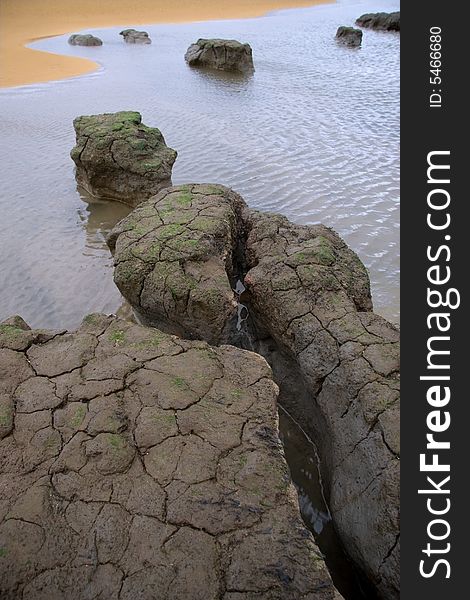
[313, 135]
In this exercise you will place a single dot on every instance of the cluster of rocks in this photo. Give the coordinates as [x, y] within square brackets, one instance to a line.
[131, 36]
[177, 257]
[225, 55]
[351, 37]
[232, 55]
[144, 464]
[218, 54]
[137, 464]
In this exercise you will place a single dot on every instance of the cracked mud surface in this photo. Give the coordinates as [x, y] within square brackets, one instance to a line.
[171, 259]
[309, 297]
[311, 293]
[135, 464]
[119, 158]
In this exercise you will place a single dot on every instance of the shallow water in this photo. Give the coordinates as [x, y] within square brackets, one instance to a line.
[314, 134]
[303, 461]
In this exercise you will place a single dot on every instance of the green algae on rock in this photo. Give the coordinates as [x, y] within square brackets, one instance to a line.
[117, 157]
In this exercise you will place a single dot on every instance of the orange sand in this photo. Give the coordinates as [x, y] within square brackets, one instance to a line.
[22, 21]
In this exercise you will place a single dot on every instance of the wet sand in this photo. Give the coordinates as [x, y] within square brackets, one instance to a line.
[23, 21]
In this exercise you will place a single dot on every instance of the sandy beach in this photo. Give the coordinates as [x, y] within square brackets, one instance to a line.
[23, 21]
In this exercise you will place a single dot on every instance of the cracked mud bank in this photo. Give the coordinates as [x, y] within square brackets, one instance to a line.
[177, 258]
[135, 464]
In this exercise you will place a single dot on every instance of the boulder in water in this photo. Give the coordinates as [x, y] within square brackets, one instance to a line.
[132, 36]
[226, 55]
[119, 158]
[173, 260]
[380, 21]
[349, 36]
[86, 39]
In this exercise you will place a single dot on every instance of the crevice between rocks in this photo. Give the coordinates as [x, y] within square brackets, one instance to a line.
[297, 399]
[295, 396]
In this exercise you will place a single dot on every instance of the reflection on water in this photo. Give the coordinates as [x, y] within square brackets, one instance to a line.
[98, 218]
[312, 134]
[315, 517]
[304, 467]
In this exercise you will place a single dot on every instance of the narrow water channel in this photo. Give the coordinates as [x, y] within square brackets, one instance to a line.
[303, 463]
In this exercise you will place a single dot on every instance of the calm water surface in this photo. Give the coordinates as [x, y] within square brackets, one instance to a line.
[314, 134]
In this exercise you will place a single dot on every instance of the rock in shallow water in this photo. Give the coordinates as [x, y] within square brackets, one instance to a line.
[78, 39]
[172, 255]
[119, 158]
[348, 36]
[380, 21]
[132, 36]
[176, 257]
[136, 464]
[225, 55]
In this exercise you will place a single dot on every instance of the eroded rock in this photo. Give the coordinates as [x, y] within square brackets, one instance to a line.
[311, 293]
[309, 298]
[132, 36]
[86, 39]
[172, 255]
[143, 465]
[117, 157]
[380, 21]
[349, 36]
[226, 55]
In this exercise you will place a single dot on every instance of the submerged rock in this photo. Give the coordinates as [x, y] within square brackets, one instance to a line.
[348, 36]
[119, 158]
[380, 21]
[87, 39]
[132, 36]
[177, 257]
[136, 464]
[226, 55]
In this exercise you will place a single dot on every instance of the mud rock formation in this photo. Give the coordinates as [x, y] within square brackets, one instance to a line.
[132, 36]
[349, 36]
[87, 39]
[380, 21]
[136, 464]
[172, 255]
[177, 257]
[226, 55]
[311, 294]
[119, 158]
